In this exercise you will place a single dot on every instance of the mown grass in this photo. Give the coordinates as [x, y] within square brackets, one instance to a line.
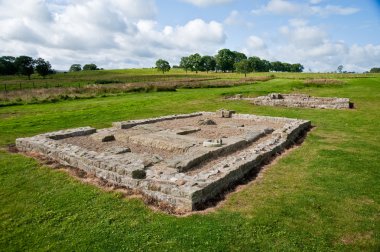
[322, 196]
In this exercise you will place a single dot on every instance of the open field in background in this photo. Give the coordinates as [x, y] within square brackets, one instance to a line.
[15, 90]
[80, 79]
[322, 196]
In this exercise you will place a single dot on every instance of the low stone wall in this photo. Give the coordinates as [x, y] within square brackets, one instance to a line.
[185, 189]
[300, 101]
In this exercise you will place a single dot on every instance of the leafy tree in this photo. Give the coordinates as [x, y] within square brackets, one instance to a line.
[195, 61]
[185, 63]
[266, 65]
[238, 56]
[75, 68]
[243, 66]
[286, 67]
[208, 63]
[375, 70]
[43, 67]
[90, 67]
[277, 66]
[256, 64]
[225, 60]
[340, 68]
[297, 68]
[25, 65]
[162, 65]
[7, 65]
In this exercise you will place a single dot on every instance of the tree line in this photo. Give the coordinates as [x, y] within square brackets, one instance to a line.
[86, 67]
[230, 61]
[24, 65]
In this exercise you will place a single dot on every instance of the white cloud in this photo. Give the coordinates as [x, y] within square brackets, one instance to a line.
[256, 43]
[112, 34]
[285, 7]
[233, 18]
[333, 10]
[312, 47]
[281, 6]
[204, 3]
[300, 34]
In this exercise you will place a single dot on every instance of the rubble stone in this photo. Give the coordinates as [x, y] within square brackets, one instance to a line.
[300, 101]
[192, 174]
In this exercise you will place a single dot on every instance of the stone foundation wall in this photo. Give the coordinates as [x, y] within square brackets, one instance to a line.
[300, 101]
[153, 176]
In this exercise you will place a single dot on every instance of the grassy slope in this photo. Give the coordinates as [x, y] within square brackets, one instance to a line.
[324, 195]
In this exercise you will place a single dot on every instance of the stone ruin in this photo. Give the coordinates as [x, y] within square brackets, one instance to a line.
[299, 100]
[184, 161]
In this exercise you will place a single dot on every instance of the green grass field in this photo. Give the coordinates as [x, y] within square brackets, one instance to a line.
[322, 196]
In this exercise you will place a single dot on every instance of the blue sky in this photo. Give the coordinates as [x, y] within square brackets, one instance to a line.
[320, 34]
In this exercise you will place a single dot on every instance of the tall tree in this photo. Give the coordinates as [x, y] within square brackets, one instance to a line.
[208, 63]
[238, 56]
[162, 65]
[256, 64]
[25, 65]
[90, 67]
[243, 66]
[195, 60]
[297, 68]
[225, 60]
[266, 65]
[75, 68]
[375, 70]
[43, 67]
[185, 64]
[340, 68]
[7, 65]
[277, 66]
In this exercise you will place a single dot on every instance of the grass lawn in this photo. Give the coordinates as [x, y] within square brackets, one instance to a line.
[322, 196]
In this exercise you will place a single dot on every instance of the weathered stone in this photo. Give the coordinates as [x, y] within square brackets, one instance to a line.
[186, 130]
[276, 96]
[192, 174]
[302, 101]
[138, 174]
[206, 122]
[225, 113]
[103, 137]
[119, 150]
[212, 143]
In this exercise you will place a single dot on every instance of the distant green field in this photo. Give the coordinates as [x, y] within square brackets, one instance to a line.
[322, 196]
[79, 79]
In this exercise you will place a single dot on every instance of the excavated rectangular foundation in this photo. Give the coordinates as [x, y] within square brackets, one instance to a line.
[182, 160]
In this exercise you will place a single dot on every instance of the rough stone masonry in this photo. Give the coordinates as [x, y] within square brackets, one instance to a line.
[182, 160]
[299, 100]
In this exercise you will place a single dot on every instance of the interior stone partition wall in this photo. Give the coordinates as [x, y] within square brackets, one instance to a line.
[182, 160]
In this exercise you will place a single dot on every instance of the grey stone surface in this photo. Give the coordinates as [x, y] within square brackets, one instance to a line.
[194, 174]
[225, 113]
[206, 121]
[299, 100]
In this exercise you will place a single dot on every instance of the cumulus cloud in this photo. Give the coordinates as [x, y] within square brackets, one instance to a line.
[313, 47]
[112, 34]
[204, 3]
[256, 43]
[285, 7]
